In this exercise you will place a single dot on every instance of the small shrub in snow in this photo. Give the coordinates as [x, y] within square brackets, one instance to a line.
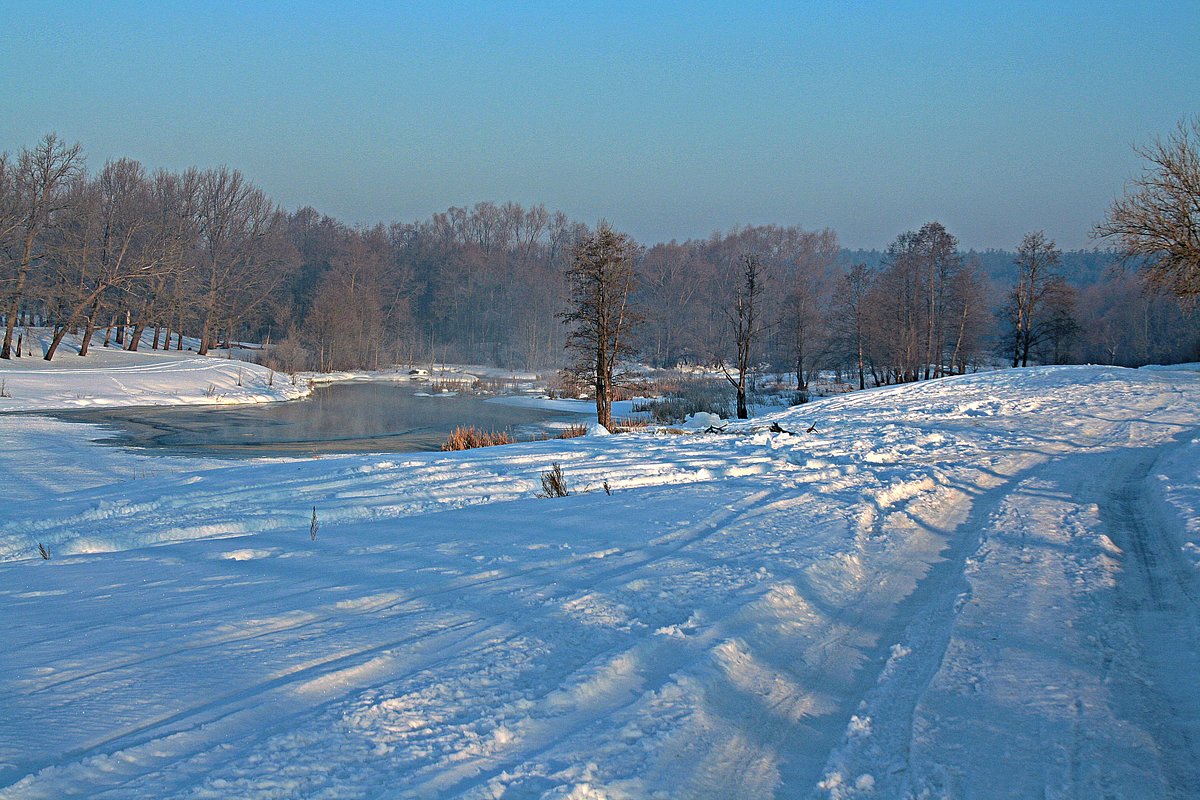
[312, 526]
[44, 551]
[553, 482]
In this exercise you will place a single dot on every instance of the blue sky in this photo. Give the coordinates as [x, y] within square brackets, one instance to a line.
[669, 119]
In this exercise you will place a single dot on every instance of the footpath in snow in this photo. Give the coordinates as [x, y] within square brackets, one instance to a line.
[982, 586]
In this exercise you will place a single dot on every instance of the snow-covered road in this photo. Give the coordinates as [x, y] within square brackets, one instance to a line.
[976, 587]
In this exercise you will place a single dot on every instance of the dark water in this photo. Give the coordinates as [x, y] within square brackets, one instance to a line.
[342, 418]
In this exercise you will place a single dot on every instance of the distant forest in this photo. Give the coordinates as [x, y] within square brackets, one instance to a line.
[207, 255]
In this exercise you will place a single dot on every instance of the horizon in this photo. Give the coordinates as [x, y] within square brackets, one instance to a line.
[671, 122]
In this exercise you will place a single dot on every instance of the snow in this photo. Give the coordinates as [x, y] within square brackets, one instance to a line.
[109, 377]
[621, 409]
[979, 586]
[702, 420]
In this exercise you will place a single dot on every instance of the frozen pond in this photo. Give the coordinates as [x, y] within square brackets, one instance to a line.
[341, 418]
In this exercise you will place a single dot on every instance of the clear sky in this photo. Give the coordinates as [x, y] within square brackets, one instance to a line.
[671, 120]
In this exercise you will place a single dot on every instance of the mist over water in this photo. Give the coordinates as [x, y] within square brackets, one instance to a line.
[342, 418]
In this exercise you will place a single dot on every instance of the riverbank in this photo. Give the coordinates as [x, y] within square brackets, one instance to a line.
[110, 377]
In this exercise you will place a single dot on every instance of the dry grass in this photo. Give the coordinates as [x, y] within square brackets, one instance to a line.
[572, 431]
[487, 385]
[630, 424]
[443, 385]
[471, 437]
[569, 432]
[673, 397]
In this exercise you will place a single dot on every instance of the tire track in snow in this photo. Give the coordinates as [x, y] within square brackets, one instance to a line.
[651, 663]
[248, 700]
[911, 648]
[1161, 591]
[1047, 500]
[222, 712]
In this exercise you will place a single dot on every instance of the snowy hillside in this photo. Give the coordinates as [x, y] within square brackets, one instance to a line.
[114, 377]
[982, 586]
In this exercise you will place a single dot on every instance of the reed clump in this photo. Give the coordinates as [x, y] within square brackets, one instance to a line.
[470, 437]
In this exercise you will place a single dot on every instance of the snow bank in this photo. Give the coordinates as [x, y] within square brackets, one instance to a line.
[1175, 492]
[702, 420]
[620, 409]
[109, 377]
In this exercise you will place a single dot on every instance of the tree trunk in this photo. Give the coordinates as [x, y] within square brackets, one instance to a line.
[89, 327]
[204, 332]
[603, 390]
[135, 338]
[862, 378]
[93, 300]
[14, 305]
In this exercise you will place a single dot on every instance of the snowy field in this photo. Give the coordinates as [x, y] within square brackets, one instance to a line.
[982, 586]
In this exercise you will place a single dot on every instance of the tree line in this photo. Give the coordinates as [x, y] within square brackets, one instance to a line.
[203, 258]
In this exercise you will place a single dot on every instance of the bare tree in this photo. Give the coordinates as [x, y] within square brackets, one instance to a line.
[897, 319]
[913, 319]
[42, 176]
[806, 269]
[970, 314]
[805, 325]
[347, 316]
[10, 206]
[112, 241]
[851, 318]
[939, 263]
[241, 231]
[601, 278]
[745, 317]
[1037, 284]
[1157, 223]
